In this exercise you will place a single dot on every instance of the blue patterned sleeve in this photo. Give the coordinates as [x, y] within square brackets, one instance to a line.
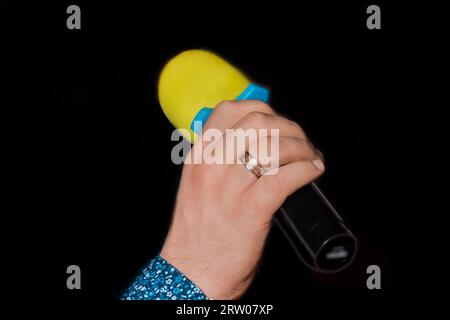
[162, 281]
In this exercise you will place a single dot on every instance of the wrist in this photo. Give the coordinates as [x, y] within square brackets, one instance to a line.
[203, 275]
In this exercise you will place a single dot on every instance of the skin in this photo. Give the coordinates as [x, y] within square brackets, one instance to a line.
[223, 213]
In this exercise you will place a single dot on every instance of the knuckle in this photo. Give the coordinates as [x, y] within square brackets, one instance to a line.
[296, 127]
[263, 106]
[308, 150]
[256, 119]
[223, 105]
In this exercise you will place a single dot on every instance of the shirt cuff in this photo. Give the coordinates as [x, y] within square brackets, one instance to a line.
[162, 281]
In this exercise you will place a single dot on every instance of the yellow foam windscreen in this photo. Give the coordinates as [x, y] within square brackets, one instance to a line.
[195, 79]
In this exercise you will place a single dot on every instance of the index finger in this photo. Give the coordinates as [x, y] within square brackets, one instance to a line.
[227, 113]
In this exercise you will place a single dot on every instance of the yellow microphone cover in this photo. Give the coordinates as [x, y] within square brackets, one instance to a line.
[195, 79]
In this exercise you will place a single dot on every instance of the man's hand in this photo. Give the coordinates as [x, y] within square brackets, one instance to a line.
[223, 213]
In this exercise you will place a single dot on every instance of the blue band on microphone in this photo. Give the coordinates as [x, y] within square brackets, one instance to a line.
[200, 119]
[252, 92]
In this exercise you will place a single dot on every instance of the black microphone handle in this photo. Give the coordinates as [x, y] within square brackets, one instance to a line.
[316, 231]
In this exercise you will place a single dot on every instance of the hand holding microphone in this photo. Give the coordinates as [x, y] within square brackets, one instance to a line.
[223, 212]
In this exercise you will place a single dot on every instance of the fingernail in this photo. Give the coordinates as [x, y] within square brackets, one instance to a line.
[318, 164]
[319, 153]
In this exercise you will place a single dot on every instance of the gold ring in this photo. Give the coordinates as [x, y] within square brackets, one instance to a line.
[252, 164]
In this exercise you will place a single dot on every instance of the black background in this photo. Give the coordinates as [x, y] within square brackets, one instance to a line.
[92, 180]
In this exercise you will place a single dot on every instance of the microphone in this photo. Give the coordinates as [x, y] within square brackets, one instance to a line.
[191, 84]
